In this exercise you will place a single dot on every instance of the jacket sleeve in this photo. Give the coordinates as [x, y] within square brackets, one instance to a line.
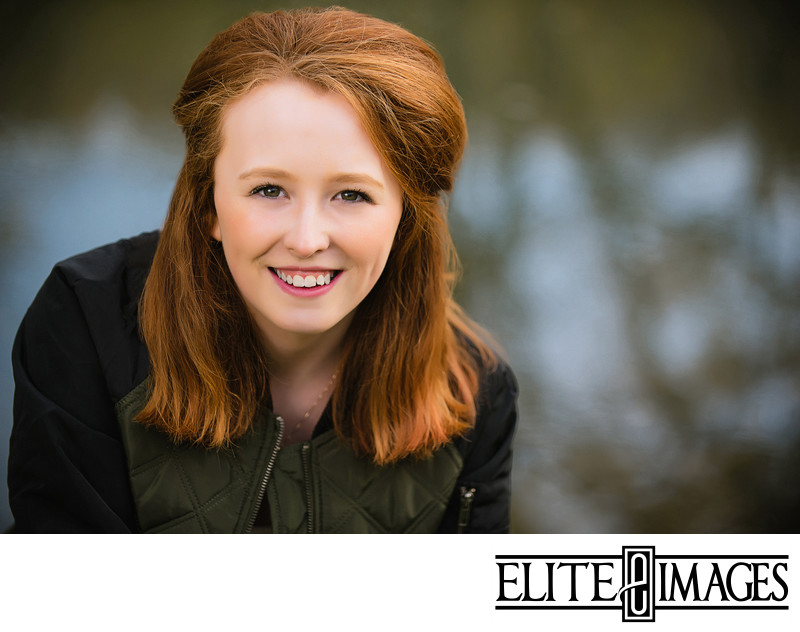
[481, 500]
[66, 469]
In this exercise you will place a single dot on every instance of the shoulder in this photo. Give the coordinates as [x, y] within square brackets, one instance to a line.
[111, 275]
[87, 310]
[110, 264]
[496, 415]
[498, 387]
[497, 381]
[496, 411]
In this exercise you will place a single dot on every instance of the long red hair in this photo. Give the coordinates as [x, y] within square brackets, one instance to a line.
[411, 360]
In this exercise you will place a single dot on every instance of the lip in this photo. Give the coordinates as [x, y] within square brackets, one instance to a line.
[303, 270]
[306, 292]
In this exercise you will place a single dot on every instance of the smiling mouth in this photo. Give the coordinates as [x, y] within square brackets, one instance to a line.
[307, 279]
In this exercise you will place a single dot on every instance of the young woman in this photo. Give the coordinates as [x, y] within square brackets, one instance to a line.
[286, 354]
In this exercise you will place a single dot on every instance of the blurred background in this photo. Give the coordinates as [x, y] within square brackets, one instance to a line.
[628, 216]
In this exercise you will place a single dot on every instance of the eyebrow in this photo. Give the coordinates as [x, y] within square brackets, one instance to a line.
[341, 178]
[264, 172]
[351, 178]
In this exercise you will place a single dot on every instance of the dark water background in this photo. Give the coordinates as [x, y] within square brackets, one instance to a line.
[628, 215]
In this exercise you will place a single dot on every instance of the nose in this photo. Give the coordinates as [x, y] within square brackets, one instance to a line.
[306, 234]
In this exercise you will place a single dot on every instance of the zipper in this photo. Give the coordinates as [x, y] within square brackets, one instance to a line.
[270, 464]
[305, 453]
[467, 496]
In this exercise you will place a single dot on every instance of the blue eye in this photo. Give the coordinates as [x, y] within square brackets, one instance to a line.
[267, 191]
[353, 195]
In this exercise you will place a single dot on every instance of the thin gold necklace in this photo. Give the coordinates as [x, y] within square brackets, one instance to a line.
[307, 414]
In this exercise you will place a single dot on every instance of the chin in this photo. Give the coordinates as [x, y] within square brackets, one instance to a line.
[307, 328]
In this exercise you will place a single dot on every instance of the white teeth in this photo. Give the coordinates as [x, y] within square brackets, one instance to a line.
[299, 280]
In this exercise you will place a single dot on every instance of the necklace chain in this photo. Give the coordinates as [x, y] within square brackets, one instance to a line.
[313, 406]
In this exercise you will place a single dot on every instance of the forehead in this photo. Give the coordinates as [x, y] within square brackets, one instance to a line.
[290, 119]
[290, 102]
[307, 133]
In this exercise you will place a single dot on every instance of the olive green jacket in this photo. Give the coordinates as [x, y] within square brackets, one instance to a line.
[318, 486]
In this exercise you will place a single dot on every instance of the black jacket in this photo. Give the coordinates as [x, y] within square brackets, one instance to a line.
[78, 352]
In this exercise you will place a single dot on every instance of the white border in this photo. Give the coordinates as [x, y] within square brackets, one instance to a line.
[407, 583]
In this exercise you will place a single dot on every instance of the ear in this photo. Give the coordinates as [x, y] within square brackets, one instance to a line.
[215, 231]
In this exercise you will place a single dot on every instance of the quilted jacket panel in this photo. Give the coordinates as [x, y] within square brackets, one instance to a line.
[317, 486]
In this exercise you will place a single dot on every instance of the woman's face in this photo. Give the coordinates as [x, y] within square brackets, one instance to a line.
[307, 210]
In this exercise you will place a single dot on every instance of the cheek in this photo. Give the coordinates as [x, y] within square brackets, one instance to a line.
[233, 226]
[376, 245]
[378, 236]
[231, 221]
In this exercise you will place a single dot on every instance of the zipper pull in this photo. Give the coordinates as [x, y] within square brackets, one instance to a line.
[467, 496]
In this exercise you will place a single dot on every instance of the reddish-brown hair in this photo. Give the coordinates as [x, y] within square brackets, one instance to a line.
[411, 360]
